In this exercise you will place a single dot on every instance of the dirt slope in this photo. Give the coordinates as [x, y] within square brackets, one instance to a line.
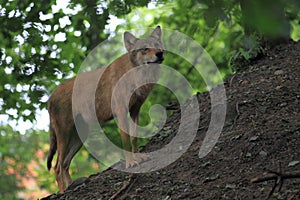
[262, 130]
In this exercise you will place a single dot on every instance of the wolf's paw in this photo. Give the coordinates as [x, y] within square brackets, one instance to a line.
[140, 157]
[136, 159]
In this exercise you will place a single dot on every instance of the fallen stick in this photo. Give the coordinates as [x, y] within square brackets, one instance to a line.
[126, 187]
[275, 175]
[278, 177]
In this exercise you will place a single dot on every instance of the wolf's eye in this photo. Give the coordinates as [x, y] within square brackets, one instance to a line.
[145, 50]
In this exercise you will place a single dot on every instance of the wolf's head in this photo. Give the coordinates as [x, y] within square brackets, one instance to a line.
[145, 51]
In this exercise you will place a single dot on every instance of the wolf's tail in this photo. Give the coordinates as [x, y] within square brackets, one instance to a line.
[53, 144]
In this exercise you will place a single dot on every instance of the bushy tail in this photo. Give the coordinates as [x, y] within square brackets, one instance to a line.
[53, 146]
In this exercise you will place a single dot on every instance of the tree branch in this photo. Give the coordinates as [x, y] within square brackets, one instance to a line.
[278, 177]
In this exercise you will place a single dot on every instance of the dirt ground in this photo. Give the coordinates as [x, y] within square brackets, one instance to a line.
[261, 133]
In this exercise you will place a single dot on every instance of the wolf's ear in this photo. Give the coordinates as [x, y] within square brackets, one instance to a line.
[129, 41]
[156, 33]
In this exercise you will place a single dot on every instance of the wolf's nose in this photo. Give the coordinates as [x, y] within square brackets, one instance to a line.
[159, 55]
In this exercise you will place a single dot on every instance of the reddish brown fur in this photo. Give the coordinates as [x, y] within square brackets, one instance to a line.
[63, 135]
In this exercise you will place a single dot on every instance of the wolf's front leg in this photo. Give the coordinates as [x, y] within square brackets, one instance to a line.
[138, 157]
[126, 143]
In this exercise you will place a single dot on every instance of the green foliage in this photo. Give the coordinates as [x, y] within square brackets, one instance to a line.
[23, 157]
[33, 59]
[9, 189]
[251, 49]
[15, 153]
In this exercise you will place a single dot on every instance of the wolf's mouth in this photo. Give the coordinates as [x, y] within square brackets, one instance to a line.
[158, 61]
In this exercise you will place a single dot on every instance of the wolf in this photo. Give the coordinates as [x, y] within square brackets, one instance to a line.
[66, 113]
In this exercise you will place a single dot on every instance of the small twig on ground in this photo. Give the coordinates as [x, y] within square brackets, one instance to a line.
[274, 176]
[126, 187]
[237, 108]
[231, 80]
[278, 177]
[237, 114]
[279, 181]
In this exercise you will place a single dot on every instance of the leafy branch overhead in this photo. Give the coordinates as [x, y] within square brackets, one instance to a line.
[34, 58]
